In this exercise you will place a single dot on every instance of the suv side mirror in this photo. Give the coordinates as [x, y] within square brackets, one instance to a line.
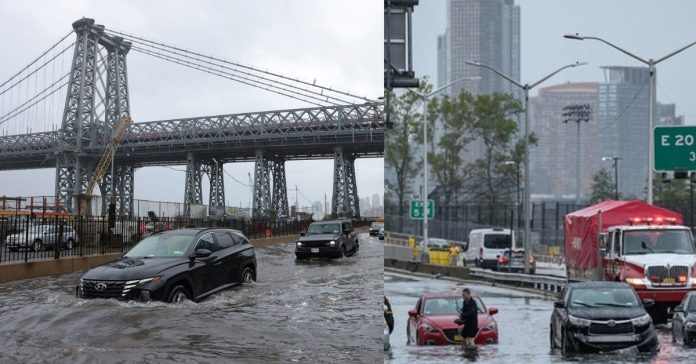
[412, 313]
[647, 302]
[559, 304]
[202, 253]
[678, 308]
[302, 233]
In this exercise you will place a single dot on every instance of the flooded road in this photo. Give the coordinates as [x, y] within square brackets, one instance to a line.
[315, 311]
[523, 324]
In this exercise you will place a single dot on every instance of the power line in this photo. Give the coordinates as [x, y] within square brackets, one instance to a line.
[313, 84]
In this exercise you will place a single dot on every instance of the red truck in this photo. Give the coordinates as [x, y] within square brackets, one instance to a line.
[633, 242]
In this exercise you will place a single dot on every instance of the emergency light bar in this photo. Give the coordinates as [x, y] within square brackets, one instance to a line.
[648, 220]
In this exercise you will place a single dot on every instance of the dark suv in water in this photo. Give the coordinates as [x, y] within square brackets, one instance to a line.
[601, 316]
[330, 239]
[173, 266]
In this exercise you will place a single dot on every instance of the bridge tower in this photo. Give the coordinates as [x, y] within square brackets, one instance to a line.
[345, 191]
[262, 185]
[279, 201]
[81, 129]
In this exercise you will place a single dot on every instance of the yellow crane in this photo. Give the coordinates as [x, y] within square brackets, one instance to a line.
[104, 163]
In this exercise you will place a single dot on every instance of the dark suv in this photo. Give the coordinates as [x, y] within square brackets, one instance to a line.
[602, 316]
[173, 266]
[330, 239]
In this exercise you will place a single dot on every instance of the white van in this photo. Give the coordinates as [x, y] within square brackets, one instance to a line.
[487, 245]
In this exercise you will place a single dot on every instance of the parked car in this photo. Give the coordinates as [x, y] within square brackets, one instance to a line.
[330, 239]
[601, 316]
[40, 237]
[381, 233]
[436, 243]
[174, 266]
[431, 322]
[374, 228]
[684, 321]
[512, 260]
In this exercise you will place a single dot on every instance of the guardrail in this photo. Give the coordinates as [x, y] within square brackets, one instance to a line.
[545, 283]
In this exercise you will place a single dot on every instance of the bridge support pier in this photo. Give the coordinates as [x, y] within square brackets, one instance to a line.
[279, 201]
[193, 193]
[123, 186]
[262, 186]
[216, 202]
[345, 191]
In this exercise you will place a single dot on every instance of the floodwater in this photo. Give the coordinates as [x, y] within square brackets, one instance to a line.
[315, 311]
[523, 324]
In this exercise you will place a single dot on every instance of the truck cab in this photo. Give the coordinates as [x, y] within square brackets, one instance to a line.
[659, 261]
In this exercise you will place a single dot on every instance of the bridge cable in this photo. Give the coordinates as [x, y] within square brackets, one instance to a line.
[246, 73]
[245, 66]
[184, 63]
[37, 59]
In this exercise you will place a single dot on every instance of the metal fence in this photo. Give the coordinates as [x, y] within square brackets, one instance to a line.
[23, 238]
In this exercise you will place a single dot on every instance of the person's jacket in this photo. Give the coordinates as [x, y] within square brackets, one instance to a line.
[469, 314]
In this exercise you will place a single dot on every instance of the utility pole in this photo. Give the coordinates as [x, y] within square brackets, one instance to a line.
[577, 113]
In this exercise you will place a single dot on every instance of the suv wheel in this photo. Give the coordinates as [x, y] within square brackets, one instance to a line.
[248, 275]
[37, 245]
[565, 345]
[69, 244]
[178, 294]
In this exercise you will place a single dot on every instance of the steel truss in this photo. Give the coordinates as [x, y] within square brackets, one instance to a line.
[279, 202]
[345, 191]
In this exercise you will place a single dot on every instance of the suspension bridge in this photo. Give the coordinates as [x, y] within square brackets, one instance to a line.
[62, 114]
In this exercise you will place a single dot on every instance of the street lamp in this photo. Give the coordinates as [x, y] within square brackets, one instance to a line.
[517, 175]
[616, 174]
[527, 191]
[651, 71]
[425, 97]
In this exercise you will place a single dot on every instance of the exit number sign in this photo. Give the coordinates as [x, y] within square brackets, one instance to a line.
[675, 147]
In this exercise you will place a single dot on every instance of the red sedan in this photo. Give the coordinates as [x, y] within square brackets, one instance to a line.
[431, 322]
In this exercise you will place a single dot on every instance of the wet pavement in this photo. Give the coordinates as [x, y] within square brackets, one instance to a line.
[523, 324]
[315, 311]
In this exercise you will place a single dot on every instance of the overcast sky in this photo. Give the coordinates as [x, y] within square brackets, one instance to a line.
[650, 29]
[338, 45]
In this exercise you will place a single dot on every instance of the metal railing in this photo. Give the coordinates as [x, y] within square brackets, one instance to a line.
[23, 238]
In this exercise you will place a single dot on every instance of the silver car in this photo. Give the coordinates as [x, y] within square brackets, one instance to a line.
[39, 237]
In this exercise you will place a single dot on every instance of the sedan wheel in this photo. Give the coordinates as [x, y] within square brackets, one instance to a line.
[248, 275]
[37, 245]
[551, 342]
[178, 294]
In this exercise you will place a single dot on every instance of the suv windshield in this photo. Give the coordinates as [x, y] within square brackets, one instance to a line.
[447, 306]
[603, 297]
[657, 241]
[162, 246]
[497, 241]
[317, 229]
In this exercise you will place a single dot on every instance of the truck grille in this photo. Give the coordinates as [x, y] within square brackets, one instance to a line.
[603, 328]
[315, 244]
[661, 272]
[102, 289]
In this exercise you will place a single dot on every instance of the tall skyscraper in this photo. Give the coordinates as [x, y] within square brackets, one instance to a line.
[553, 159]
[622, 117]
[376, 201]
[487, 31]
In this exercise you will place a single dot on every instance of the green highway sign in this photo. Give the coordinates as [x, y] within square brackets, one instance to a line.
[416, 209]
[675, 147]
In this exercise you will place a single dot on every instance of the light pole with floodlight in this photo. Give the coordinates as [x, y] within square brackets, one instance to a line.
[527, 191]
[651, 72]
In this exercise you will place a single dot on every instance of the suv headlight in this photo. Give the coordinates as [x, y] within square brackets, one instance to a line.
[332, 243]
[299, 243]
[641, 321]
[578, 321]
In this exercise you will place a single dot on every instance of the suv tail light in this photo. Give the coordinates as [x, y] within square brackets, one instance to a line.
[503, 260]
